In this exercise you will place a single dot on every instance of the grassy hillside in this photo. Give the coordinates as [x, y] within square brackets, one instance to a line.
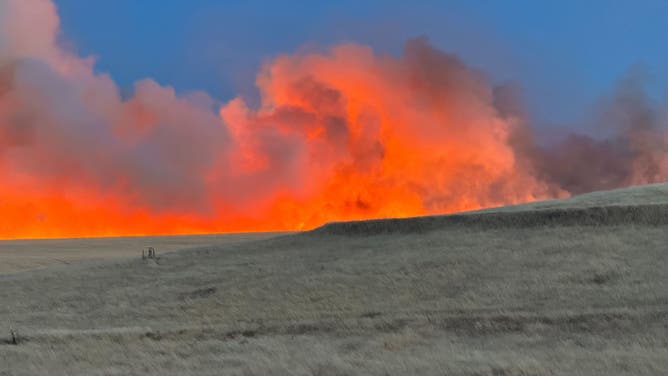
[641, 205]
[21, 255]
[652, 194]
[573, 287]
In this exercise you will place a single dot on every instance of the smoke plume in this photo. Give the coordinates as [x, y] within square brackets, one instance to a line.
[343, 134]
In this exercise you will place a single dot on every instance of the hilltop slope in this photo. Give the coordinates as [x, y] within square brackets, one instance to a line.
[640, 205]
[642, 195]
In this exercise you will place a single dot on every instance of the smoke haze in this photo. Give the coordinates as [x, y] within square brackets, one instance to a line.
[342, 134]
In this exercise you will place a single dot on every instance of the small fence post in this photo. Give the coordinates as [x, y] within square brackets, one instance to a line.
[14, 336]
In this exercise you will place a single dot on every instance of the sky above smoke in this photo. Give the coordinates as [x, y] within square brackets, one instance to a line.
[564, 53]
[338, 133]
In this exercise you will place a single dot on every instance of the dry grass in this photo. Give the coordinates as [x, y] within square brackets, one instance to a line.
[552, 298]
[21, 255]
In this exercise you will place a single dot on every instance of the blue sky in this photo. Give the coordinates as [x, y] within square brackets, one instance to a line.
[564, 54]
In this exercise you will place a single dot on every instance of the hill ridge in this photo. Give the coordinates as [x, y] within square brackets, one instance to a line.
[608, 215]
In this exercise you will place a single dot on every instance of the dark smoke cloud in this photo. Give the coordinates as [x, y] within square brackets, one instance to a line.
[633, 151]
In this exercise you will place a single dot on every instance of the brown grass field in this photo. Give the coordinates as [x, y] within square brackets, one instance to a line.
[21, 255]
[563, 287]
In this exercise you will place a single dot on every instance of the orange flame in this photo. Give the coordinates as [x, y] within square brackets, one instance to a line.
[345, 134]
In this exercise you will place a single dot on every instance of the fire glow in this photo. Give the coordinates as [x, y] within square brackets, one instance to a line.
[339, 135]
